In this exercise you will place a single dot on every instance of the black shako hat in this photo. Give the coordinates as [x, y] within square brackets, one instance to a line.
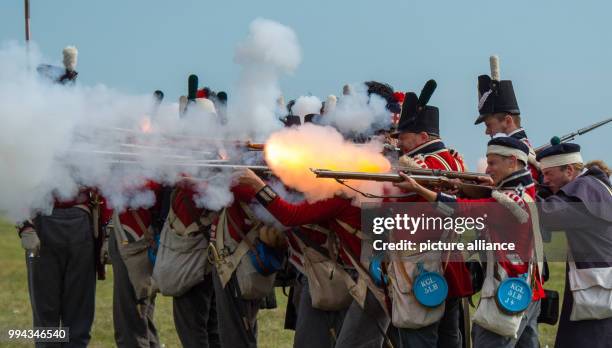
[384, 91]
[222, 97]
[417, 116]
[495, 95]
[291, 120]
[158, 96]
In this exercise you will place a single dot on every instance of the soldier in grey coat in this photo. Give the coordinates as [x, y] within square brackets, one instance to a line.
[578, 200]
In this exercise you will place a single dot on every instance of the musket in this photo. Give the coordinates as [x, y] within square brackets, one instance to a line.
[146, 156]
[254, 146]
[257, 169]
[468, 190]
[212, 164]
[27, 20]
[162, 149]
[572, 135]
[468, 176]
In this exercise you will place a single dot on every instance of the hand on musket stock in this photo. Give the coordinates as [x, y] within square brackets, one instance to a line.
[453, 186]
[249, 178]
[485, 181]
[411, 185]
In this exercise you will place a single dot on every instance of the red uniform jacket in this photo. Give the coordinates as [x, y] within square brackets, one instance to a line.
[242, 195]
[82, 199]
[324, 213]
[184, 206]
[129, 222]
[435, 155]
[513, 187]
[295, 251]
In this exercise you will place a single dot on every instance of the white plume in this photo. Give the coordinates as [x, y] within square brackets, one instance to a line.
[70, 57]
[494, 63]
[330, 104]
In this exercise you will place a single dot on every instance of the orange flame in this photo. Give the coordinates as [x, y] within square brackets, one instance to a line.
[290, 153]
[146, 126]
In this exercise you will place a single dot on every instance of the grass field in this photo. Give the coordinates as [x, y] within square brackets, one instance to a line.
[15, 307]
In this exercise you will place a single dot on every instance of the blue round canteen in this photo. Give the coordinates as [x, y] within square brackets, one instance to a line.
[152, 251]
[266, 257]
[513, 295]
[376, 270]
[430, 288]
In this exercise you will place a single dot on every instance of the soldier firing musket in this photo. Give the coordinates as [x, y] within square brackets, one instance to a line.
[445, 179]
[507, 160]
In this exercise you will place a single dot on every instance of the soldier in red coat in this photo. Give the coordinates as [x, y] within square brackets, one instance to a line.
[234, 235]
[338, 221]
[419, 139]
[130, 239]
[514, 190]
[194, 309]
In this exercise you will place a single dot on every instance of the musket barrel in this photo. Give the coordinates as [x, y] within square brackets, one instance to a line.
[572, 135]
[439, 172]
[593, 126]
[212, 164]
[333, 174]
[386, 177]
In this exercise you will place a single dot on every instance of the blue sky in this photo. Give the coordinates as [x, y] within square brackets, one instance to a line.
[558, 53]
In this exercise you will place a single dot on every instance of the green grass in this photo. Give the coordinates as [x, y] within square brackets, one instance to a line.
[15, 309]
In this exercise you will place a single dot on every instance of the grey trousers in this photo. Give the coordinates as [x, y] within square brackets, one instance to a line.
[444, 333]
[131, 328]
[315, 327]
[364, 327]
[195, 316]
[237, 317]
[449, 333]
[527, 334]
[62, 278]
[424, 337]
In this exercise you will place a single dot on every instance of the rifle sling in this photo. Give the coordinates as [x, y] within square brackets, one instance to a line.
[248, 242]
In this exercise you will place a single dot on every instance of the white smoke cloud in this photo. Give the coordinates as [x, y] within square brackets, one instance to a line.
[56, 139]
[306, 105]
[359, 113]
[270, 51]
